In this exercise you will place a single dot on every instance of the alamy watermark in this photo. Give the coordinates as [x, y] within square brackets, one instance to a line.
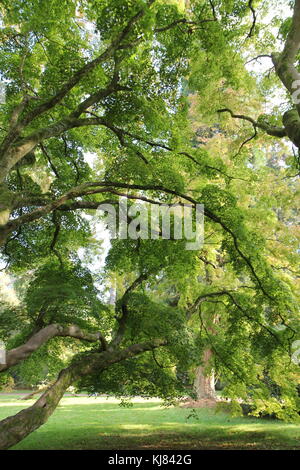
[296, 93]
[295, 346]
[2, 353]
[146, 220]
[296, 352]
[2, 92]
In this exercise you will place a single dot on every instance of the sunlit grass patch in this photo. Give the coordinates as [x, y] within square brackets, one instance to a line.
[100, 423]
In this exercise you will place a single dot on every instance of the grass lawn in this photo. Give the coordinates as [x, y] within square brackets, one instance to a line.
[100, 423]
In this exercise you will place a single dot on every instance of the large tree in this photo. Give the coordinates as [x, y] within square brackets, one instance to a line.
[112, 81]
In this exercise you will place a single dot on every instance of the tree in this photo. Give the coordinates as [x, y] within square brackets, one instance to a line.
[110, 78]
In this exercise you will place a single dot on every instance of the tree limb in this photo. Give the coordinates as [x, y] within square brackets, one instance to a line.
[250, 5]
[124, 309]
[270, 130]
[183, 21]
[15, 428]
[229, 294]
[108, 186]
[284, 62]
[16, 355]
[19, 125]
[85, 70]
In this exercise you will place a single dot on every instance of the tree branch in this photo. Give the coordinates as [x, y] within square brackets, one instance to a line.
[14, 133]
[260, 56]
[284, 62]
[270, 130]
[108, 186]
[16, 355]
[183, 21]
[124, 309]
[229, 294]
[31, 418]
[84, 70]
[250, 5]
[121, 133]
[49, 160]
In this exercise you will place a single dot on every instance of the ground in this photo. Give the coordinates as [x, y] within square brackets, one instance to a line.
[100, 423]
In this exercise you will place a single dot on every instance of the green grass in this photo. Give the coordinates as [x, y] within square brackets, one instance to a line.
[100, 423]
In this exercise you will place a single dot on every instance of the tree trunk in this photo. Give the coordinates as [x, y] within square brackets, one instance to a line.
[15, 428]
[204, 384]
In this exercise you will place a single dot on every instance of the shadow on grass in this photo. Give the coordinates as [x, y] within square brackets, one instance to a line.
[89, 423]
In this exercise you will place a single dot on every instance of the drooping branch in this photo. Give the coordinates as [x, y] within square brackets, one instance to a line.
[201, 298]
[229, 293]
[79, 191]
[108, 186]
[250, 5]
[124, 309]
[245, 142]
[16, 355]
[15, 428]
[290, 120]
[184, 21]
[121, 134]
[16, 152]
[270, 130]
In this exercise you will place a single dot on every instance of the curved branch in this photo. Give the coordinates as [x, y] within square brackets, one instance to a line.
[124, 309]
[15, 428]
[270, 130]
[250, 5]
[246, 141]
[85, 70]
[260, 56]
[229, 294]
[183, 21]
[121, 133]
[16, 355]
[108, 186]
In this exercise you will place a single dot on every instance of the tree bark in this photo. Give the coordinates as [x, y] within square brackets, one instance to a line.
[204, 383]
[16, 355]
[15, 428]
